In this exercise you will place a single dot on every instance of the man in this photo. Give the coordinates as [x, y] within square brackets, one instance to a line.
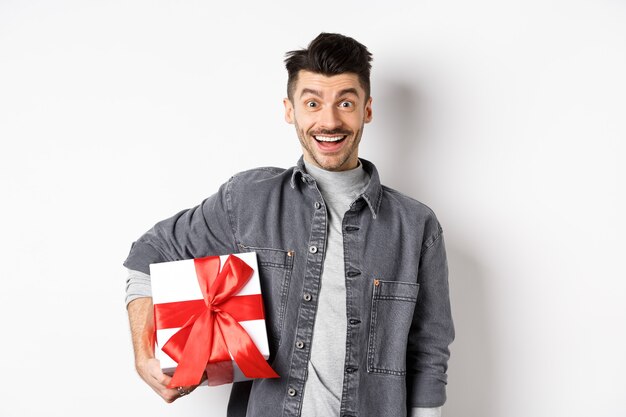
[354, 274]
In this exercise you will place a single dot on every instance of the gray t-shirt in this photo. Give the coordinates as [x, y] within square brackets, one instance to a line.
[322, 392]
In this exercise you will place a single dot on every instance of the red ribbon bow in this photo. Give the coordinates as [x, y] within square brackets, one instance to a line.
[209, 328]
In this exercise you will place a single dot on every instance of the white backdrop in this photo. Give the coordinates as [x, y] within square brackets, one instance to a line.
[506, 117]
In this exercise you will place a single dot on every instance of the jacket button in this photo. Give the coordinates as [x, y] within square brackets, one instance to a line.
[354, 321]
[317, 205]
[299, 344]
[291, 392]
[313, 249]
[307, 297]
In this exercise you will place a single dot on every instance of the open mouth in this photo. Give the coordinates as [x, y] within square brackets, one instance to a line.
[330, 139]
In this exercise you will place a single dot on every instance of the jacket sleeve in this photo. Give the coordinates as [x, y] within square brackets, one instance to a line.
[432, 329]
[193, 233]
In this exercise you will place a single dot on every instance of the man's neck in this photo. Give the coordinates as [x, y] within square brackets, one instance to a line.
[347, 182]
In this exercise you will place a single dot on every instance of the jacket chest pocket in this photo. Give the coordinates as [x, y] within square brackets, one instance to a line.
[393, 303]
[275, 266]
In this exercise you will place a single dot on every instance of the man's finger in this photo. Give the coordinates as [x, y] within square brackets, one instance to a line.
[182, 391]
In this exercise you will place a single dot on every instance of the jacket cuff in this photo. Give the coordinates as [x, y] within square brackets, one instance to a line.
[425, 391]
[141, 256]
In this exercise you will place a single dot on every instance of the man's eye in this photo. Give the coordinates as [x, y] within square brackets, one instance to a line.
[345, 104]
[311, 104]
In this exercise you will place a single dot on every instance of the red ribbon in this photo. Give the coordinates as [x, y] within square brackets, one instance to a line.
[209, 328]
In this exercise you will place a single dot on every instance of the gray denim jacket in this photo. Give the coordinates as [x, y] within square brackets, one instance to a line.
[399, 319]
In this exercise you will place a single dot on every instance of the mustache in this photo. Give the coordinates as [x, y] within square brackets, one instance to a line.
[331, 132]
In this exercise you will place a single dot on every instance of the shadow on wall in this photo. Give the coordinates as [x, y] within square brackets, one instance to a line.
[391, 138]
[401, 116]
[472, 390]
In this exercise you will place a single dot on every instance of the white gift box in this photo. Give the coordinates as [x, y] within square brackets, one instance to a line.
[177, 281]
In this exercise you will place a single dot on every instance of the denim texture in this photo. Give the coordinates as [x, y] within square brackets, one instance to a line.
[397, 298]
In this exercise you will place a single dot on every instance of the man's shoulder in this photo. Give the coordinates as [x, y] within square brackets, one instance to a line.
[260, 173]
[414, 212]
[260, 177]
[405, 202]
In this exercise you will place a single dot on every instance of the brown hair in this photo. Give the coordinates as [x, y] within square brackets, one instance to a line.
[330, 54]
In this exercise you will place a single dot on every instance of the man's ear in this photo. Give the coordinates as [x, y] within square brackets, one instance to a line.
[368, 111]
[288, 110]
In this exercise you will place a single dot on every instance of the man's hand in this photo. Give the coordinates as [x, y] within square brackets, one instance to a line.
[140, 315]
[150, 371]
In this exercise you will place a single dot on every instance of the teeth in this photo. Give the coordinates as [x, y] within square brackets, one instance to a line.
[329, 138]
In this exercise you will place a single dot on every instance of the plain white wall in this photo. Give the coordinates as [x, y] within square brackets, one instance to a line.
[507, 118]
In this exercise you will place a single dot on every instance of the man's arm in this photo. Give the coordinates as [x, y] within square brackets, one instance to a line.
[200, 231]
[194, 233]
[140, 316]
[432, 330]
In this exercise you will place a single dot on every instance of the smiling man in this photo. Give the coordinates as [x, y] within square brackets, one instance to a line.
[329, 113]
[353, 273]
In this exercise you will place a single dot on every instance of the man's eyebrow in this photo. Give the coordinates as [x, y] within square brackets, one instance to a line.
[351, 90]
[343, 92]
[310, 91]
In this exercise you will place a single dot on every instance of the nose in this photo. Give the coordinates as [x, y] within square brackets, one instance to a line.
[329, 118]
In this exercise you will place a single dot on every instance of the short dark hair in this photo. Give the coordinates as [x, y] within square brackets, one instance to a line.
[330, 54]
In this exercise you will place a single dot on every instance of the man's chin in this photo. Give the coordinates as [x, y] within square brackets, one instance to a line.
[333, 163]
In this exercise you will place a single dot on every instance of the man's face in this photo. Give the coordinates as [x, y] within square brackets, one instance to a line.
[329, 114]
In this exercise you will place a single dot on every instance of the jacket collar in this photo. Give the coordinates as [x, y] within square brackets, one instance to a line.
[372, 195]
